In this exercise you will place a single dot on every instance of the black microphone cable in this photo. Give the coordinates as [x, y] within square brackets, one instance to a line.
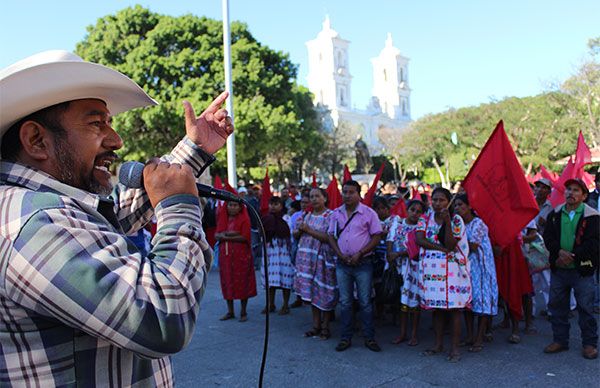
[261, 228]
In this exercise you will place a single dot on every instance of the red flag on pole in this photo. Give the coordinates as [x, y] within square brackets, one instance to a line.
[583, 154]
[399, 208]
[347, 175]
[314, 180]
[218, 183]
[368, 199]
[333, 194]
[558, 187]
[230, 189]
[498, 190]
[266, 194]
[547, 174]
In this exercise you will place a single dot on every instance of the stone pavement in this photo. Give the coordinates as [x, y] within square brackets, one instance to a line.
[228, 354]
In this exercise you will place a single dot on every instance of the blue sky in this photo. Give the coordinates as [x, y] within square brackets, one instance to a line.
[462, 52]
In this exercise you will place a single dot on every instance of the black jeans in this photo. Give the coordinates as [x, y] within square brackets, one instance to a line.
[561, 283]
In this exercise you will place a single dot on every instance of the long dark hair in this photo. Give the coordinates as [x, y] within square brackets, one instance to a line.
[446, 193]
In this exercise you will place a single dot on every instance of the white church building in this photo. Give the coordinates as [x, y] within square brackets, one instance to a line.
[330, 81]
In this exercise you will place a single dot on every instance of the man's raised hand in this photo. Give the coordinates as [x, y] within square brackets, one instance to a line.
[211, 129]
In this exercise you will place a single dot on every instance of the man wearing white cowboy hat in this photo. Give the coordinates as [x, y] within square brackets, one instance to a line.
[79, 304]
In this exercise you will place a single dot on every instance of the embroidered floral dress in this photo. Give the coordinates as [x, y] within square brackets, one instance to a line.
[409, 269]
[279, 260]
[444, 281]
[484, 285]
[315, 280]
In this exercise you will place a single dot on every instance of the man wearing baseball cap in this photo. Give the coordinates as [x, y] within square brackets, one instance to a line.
[80, 304]
[572, 238]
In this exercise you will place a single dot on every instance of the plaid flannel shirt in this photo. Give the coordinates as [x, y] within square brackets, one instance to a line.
[79, 305]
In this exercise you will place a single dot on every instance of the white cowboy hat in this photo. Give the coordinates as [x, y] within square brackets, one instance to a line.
[56, 76]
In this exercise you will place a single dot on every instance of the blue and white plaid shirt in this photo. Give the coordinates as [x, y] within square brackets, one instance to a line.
[79, 305]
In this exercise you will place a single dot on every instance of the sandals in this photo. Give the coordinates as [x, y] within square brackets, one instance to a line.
[431, 352]
[325, 334]
[453, 357]
[315, 331]
[398, 340]
[343, 345]
[514, 339]
[531, 330]
[227, 317]
[243, 318]
[476, 348]
[413, 342]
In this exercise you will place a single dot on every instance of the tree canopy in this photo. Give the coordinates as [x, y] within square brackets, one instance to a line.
[177, 58]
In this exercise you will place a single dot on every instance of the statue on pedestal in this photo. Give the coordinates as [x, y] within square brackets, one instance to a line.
[363, 158]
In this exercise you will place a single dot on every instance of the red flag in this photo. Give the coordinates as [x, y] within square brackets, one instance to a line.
[218, 183]
[230, 189]
[588, 179]
[583, 155]
[266, 194]
[314, 180]
[368, 199]
[414, 193]
[333, 194]
[498, 190]
[399, 209]
[558, 187]
[347, 175]
[513, 277]
[547, 174]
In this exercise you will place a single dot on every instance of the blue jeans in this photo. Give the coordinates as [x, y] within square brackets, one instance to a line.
[561, 283]
[347, 276]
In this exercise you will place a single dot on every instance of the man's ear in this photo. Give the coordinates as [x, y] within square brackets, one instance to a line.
[35, 140]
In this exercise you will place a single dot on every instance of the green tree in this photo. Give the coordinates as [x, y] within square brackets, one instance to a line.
[177, 58]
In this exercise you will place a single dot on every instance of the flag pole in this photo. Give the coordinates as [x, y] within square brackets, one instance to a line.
[231, 162]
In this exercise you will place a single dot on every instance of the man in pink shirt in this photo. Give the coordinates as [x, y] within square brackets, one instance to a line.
[354, 230]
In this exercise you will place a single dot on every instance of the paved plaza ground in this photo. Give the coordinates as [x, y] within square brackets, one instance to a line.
[228, 354]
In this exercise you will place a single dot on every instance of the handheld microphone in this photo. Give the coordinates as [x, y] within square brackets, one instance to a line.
[131, 175]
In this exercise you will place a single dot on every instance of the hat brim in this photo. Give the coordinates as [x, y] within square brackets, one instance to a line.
[37, 87]
[578, 183]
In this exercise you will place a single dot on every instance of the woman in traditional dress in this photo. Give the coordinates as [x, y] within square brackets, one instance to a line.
[445, 283]
[236, 268]
[484, 285]
[408, 268]
[281, 270]
[315, 280]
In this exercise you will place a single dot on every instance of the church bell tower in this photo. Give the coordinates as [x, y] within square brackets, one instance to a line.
[329, 76]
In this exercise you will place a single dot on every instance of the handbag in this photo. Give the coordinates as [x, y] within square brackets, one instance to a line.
[537, 255]
[391, 282]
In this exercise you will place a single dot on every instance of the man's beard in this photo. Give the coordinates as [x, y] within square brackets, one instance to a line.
[72, 176]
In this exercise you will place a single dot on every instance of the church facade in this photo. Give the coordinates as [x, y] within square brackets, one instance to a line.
[330, 81]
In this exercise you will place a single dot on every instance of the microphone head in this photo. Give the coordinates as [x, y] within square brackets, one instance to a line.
[131, 174]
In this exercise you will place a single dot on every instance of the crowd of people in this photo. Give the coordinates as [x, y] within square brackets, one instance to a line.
[441, 250]
[82, 304]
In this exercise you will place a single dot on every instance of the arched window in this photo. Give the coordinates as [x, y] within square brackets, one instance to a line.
[384, 75]
[401, 75]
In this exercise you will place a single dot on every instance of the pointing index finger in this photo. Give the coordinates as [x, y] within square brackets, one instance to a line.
[217, 102]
